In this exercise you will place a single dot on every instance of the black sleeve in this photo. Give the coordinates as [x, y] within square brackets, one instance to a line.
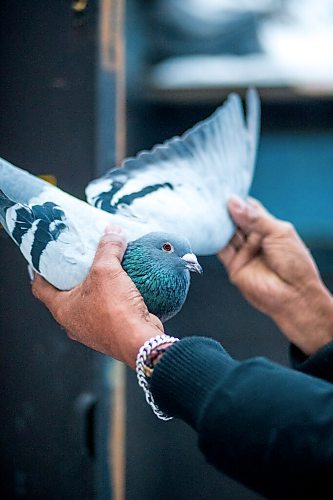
[267, 426]
[319, 364]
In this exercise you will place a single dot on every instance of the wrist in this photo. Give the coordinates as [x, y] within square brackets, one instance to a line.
[147, 357]
[138, 334]
[307, 320]
[156, 354]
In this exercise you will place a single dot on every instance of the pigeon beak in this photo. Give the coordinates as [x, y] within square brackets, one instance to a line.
[192, 263]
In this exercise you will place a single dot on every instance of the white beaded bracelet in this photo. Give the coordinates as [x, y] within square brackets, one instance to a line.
[142, 368]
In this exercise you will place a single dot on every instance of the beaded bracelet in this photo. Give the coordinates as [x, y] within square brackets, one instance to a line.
[144, 369]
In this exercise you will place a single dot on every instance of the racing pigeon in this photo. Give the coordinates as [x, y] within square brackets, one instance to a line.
[171, 201]
[158, 263]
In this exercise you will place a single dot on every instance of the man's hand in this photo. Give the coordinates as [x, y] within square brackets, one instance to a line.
[274, 270]
[106, 312]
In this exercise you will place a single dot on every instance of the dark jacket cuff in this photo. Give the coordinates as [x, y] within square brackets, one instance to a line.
[318, 365]
[183, 375]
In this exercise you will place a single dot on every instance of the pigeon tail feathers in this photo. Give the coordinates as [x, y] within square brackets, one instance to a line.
[18, 184]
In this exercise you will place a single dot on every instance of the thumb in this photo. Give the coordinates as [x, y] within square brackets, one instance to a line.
[112, 245]
[250, 216]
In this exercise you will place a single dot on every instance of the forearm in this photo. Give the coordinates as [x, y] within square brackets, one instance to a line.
[307, 320]
[266, 426]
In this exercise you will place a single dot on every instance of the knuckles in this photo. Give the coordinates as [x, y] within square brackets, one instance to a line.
[102, 269]
[233, 278]
[99, 270]
[287, 228]
[116, 244]
[70, 335]
[34, 289]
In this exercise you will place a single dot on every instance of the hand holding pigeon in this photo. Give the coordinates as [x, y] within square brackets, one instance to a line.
[97, 319]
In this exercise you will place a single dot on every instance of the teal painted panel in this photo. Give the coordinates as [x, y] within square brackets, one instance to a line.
[294, 179]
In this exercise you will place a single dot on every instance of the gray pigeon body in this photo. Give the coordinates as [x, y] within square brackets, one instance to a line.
[180, 188]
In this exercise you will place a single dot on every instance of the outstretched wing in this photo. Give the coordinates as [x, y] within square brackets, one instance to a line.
[184, 184]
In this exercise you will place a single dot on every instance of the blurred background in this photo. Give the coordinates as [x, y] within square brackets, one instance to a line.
[84, 84]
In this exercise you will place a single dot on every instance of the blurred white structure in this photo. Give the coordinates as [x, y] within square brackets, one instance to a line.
[295, 39]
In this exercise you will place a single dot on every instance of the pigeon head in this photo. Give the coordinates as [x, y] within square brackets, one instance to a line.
[160, 265]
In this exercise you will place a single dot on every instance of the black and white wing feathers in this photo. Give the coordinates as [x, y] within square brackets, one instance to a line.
[183, 185]
[48, 239]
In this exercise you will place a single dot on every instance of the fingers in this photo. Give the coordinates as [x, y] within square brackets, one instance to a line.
[251, 216]
[112, 247]
[46, 292]
[254, 223]
[238, 240]
[245, 254]
[228, 253]
[234, 257]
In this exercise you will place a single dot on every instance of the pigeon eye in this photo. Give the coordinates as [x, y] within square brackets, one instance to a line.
[167, 247]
